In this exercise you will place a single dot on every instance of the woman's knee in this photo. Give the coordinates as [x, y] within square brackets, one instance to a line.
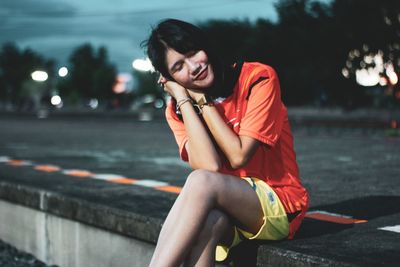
[201, 182]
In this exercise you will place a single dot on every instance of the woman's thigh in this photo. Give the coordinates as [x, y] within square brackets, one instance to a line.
[232, 195]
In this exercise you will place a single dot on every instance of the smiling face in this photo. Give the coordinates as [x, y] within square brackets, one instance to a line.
[191, 70]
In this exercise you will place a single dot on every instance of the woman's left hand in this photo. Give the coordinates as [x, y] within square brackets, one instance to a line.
[196, 95]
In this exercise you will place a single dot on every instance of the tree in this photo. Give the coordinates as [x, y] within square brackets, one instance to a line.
[91, 75]
[372, 29]
[224, 36]
[147, 84]
[16, 67]
[310, 44]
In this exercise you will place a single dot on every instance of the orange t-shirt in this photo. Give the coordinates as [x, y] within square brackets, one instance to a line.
[255, 109]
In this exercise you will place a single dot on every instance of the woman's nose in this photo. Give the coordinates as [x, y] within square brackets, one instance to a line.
[193, 66]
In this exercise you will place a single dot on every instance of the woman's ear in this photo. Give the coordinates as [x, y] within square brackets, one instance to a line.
[162, 79]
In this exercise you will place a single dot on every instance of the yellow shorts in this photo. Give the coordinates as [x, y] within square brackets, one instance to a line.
[275, 226]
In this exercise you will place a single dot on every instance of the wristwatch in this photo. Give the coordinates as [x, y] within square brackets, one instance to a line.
[205, 100]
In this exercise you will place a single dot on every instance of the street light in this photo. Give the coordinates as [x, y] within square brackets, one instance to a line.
[39, 76]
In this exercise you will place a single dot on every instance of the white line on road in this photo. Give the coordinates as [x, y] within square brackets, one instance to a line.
[394, 228]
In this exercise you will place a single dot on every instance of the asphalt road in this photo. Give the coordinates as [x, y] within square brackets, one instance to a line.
[353, 172]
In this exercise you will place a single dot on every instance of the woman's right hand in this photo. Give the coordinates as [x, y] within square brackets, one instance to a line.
[174, 89]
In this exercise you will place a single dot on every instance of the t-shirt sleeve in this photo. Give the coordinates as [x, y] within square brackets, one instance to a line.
[179, 131]
[264, 115]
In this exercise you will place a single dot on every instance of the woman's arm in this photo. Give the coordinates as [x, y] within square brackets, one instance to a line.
[200, 148]
[237, 149]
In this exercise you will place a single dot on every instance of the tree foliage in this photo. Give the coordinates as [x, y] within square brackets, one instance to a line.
[310, 43]
[16, 66]
[90, 76]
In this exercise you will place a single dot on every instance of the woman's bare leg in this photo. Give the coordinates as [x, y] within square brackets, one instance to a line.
[204, 191]
[217, 229]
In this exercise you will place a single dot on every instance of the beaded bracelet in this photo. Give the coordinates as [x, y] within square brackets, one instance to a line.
[181, 102]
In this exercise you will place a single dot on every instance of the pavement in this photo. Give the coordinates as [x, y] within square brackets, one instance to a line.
[11, 257]
[127, 166]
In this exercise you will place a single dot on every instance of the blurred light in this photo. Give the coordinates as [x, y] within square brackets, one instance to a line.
[388, 21]
[367, 77]
[62, 72]
[147, 99]
[393, 124]
[145, 116]
[368, 59]
[159, 103]
[373, 75]
[55, 100]
[345, 73]
[378, 60]
[39, 76]
[125, 77]
[143, 65]
[121, 82]
[119, 87]
[382, 81]
[393, 79]
[365, 47]
[93, 103]
[356, 53]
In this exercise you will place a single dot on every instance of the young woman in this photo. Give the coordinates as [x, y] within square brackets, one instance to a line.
[232, 127]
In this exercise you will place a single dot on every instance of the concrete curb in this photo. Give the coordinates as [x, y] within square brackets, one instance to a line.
[105, 217]
[133, 225]
[277, 257]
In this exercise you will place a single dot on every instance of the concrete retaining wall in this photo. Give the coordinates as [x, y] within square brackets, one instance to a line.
[66, 243]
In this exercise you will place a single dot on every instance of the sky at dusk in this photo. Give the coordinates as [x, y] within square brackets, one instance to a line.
[55, 27]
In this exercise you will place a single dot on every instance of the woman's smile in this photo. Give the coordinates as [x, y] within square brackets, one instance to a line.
[202, 74]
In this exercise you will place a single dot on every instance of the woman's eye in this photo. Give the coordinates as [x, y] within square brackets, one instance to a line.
[177, 67]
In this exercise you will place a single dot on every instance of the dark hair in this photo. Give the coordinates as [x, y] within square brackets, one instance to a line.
[181, 36]
[184, 37]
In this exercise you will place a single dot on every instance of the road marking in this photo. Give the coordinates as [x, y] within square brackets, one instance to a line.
[123, 180]
[333, 217]
[170, 188]
[113, 178]
[4, 159]
[78, 173]
[18, 163]
[150, 183]
[394, 228]
[107, 176]
[47, 168]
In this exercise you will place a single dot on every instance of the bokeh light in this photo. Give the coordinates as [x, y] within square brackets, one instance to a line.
[62, 72]
[143, 65]
[39, 76]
